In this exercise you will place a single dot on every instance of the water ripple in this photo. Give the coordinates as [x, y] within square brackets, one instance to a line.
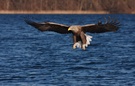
[32, 58]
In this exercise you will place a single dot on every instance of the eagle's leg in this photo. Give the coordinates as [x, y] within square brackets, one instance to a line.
[77, 42]
[83, 38]
[74, 40]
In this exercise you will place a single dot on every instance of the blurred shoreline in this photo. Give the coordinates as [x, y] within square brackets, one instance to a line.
[54, 12]
[58, 12]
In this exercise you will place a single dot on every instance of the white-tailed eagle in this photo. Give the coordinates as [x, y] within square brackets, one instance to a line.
[80, 39]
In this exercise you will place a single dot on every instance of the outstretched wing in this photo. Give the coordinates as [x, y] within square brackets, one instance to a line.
[49, 26]
[110, 25]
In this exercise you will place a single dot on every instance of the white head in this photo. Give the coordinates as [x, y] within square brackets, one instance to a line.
[74, 28]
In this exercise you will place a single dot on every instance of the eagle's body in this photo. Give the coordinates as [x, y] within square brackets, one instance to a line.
[80, 38]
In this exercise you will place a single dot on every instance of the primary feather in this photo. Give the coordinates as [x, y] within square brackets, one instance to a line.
[101, 28]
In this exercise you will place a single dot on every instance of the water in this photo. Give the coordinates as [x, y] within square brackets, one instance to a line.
[29, 57]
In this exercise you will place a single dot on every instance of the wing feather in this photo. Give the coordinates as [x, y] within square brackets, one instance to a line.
[49, 26]
[110, 25]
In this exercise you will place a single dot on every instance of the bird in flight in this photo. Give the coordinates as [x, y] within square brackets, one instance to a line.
[80, 38]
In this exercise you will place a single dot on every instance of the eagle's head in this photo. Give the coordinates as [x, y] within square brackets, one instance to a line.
[74, 28]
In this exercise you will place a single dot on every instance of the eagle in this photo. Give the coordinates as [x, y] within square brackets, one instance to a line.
[80, 38]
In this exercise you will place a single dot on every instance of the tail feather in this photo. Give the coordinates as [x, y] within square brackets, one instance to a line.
[89, 39]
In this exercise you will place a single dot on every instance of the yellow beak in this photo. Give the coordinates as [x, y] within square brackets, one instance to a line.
[69, 29]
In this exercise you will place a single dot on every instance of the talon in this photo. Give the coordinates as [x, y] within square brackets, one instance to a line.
[74, 46]
[84, 47]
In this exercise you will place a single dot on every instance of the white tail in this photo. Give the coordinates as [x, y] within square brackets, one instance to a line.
[88, 40]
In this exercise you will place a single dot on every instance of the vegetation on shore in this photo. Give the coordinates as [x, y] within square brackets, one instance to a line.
[67, 6]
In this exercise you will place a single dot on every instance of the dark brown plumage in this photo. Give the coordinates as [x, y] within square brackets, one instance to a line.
[77, 30]
[49, 26]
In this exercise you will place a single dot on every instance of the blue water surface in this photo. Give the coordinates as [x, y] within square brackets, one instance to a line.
[29, 57]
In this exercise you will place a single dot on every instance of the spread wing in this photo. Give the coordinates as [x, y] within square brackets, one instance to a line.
[110, 25]
[49, 26]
